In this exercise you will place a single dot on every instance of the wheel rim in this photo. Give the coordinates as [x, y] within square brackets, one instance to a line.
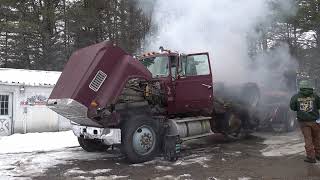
[144, 140]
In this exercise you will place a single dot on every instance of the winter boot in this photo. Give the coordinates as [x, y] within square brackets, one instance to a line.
[310, 160]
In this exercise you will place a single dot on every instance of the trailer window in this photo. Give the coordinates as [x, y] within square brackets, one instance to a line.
[158, 66]
[4, 104]
[195, 65]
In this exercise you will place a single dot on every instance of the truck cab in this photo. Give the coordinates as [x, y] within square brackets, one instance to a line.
[187, 79]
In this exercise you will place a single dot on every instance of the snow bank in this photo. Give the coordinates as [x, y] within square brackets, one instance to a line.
[32, 142]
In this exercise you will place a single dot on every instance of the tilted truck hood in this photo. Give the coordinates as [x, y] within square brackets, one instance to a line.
[95, 73]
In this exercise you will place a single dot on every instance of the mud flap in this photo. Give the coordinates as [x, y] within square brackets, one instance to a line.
[172, 147]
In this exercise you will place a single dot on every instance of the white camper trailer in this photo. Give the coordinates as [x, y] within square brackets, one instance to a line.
[23, 95]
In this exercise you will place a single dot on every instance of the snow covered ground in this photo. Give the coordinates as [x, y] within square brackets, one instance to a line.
[31, 155]
[28, 155]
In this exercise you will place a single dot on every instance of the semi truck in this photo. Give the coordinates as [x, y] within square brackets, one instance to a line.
[148, 105]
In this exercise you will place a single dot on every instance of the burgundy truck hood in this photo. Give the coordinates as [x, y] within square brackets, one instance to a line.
[95, 73]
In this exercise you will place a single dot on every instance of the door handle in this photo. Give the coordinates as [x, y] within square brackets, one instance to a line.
[208, 86]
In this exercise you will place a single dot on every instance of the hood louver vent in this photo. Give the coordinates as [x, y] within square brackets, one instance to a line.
[97, 81]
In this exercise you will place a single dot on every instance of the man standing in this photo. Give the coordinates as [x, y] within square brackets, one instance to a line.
[307, 104]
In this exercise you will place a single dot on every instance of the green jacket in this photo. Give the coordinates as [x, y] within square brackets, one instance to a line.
[307, 105]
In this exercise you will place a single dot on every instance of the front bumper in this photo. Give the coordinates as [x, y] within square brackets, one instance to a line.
[108, 136]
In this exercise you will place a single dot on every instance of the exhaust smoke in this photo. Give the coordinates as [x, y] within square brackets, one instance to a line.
[225, 29]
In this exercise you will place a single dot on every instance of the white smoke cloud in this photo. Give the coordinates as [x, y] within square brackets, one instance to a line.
[221, 27]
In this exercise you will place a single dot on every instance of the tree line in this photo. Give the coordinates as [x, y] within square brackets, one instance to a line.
[42, 34]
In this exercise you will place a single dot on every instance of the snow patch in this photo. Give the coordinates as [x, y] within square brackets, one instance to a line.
[237, 153]
[163, 168]
[81, 177]
[78, 171]
[167, 177]
[185, 175]
[137, 165]
[170, 177]
[74, 171]
[151, 162]
[100, 171]
[244, 178]
[32, 142]
[282, 145]
[193, 160]
[110, 177]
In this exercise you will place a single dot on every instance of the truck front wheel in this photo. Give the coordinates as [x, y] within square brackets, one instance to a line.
[140, 139]
[91, 145]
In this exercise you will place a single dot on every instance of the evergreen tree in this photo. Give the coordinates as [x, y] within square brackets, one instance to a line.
[41, 34]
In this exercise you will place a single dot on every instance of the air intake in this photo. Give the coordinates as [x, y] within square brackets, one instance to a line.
[97, 81]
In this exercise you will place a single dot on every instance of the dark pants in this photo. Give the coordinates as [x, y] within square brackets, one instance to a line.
[311, 133]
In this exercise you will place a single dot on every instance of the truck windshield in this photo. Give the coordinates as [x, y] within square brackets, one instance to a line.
[158, 66]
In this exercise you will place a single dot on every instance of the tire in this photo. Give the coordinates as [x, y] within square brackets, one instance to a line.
[91, 145]
[134, 131]
[233, 133]
[285, 121]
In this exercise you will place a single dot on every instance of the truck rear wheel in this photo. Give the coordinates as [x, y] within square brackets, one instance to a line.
[140, 139]
[232, 127]
[284, 121]
[91, 145]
